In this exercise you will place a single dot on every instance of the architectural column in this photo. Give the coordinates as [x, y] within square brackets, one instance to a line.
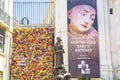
[116, 37]
[49, 18]
[61, 26]
[104, 40]
[8, 52]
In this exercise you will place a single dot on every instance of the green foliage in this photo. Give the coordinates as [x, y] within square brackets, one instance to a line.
[118, 79]
[113, 79]
[102, 78]
[81, 78]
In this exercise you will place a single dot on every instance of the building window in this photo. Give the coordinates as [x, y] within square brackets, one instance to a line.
[2, 40]
[1, 75]
[2, 4]
[1, 43]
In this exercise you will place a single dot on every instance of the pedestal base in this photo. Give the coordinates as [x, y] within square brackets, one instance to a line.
[106, 72]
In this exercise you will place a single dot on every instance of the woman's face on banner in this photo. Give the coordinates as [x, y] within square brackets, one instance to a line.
[82, 17]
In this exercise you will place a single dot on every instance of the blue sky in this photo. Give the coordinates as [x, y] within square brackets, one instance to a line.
[35, 12]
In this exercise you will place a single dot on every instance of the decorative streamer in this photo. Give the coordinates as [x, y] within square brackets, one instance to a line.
[32, 57]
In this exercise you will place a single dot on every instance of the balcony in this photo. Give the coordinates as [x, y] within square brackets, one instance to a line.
[33, 13]
[4, 17]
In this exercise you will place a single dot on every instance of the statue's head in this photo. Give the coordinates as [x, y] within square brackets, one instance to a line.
[58, 39]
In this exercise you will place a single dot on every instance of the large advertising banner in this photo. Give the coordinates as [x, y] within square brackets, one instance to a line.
[83, 48]
[32, 57]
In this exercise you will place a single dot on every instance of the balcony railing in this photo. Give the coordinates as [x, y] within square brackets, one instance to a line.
[34, 13]
[4, 17]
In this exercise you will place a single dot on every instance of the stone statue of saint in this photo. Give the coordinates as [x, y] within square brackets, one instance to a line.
[59, 70]
[58, 53]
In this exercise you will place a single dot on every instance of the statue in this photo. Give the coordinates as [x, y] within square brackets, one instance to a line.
[59, 70]
[58, 51]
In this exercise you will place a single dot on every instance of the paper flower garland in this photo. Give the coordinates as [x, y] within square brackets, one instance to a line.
[32, 57]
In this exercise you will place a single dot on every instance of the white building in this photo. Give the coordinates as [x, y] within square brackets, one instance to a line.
[109, 35]
[5, 37]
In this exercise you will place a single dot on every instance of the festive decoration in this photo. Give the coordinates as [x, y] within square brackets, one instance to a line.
[32, 57]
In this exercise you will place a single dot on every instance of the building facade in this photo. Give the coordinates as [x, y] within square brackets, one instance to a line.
[108, 28]
[5, 37]
[109, 40]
